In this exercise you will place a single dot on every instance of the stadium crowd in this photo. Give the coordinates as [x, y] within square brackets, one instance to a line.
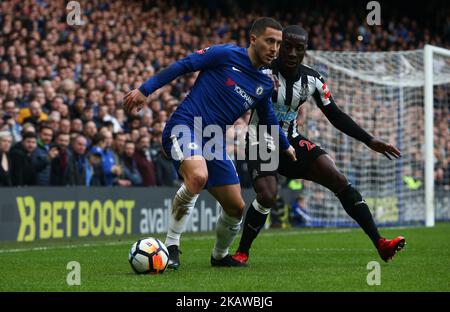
[61, 86]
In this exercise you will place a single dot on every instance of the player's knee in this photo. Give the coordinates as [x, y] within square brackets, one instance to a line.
[340, 182]
[196, 181]
[236, 208]
[266, 198]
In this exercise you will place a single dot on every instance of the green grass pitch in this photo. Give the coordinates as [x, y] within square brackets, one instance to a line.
[281, 260]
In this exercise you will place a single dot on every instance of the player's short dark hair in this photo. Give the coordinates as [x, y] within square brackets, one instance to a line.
[296, 30]
[261, 23]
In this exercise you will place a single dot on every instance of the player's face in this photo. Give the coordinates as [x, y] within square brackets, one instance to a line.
[267, 45]
[292, 51]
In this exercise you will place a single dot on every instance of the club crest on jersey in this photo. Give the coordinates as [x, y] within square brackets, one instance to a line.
[259, 90]
[303, 93]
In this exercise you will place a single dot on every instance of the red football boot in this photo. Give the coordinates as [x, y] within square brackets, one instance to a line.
[387, 248]
[242, 257]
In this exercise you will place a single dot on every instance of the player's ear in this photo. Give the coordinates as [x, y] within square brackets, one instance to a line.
[252, 39]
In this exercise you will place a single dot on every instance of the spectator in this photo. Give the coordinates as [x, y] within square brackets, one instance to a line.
[298, 214]
[111, 169]
[23, 170]
[144, 162]
[94, 170]
[64, 126]
[33, 114]
[5, 161]
[90, 131]
[76, 126]
[43, 155]
[166, 174]
[10, 119]
[78, 163]
[60, 164]
[119, 146]
[130, 173]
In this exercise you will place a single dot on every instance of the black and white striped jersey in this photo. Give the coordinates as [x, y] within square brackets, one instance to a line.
[291, 94]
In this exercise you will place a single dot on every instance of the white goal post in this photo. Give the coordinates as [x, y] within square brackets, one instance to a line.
[393, 96]
[429, 53]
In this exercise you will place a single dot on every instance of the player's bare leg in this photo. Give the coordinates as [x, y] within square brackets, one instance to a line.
[255, 218]
[195, 174]
[324, 171]
[228, 224]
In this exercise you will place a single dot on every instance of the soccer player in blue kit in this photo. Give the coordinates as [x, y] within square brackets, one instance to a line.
[230, 82]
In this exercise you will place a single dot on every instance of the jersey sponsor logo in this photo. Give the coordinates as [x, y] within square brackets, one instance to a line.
[248, 99]
[236, 69]
[308, 144]
[202, 51]
[259, 90]
[283, 113]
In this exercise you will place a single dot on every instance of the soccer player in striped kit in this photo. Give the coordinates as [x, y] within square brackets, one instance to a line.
[295, 84]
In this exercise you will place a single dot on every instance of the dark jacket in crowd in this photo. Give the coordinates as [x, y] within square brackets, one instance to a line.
[23, 170]
[130, 170]
[146, 169]
[76, 170]
[59, 168]
[42, 164]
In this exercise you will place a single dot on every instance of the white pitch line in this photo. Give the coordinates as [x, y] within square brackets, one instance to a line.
[206, 237]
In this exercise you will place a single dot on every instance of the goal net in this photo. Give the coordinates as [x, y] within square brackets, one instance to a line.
[384, 93]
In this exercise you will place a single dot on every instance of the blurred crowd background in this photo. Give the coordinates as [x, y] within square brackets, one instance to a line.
[61, 86]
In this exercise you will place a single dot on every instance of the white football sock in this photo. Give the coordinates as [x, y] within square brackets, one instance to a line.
[182, 206]
[227, 229]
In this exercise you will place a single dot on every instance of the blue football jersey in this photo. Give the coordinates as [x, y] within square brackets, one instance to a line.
[227, 86]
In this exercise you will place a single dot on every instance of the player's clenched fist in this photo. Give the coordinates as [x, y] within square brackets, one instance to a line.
[133, 100]
[290, 152]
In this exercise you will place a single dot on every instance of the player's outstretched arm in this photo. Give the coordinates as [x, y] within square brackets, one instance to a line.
[346, 124]
[202, 59]
[384, 148]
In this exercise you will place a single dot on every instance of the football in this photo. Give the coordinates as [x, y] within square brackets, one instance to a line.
[148, 256]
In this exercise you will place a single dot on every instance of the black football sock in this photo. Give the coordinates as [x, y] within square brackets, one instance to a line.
[254, 221]
[356, 207]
